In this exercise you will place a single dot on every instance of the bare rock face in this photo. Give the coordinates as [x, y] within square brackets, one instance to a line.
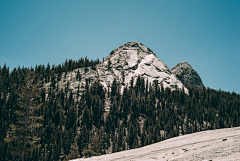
[133, 59]
[124, 64]
[187, 75]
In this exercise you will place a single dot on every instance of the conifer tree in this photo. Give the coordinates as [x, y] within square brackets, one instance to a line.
[23, 134]
[74, 152]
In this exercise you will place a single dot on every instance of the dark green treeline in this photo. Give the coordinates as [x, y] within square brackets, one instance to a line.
[143, 114]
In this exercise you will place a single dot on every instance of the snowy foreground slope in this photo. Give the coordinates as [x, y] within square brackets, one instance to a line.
[221, 144]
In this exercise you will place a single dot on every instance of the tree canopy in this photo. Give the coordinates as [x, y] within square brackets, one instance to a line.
[39, 124]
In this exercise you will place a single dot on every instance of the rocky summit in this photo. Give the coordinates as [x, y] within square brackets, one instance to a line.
[124, 64]
[134, 59]
[187, 75]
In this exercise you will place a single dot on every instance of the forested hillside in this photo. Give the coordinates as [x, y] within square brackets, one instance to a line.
[40, 124]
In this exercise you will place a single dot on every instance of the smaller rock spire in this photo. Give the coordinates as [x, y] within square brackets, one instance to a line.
[187, 75]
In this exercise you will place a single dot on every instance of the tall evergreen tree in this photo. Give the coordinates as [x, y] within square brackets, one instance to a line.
[24, 133]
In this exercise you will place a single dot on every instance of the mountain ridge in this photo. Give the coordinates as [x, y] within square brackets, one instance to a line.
[124, 63]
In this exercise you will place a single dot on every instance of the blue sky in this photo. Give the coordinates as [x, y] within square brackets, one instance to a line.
[204, 33]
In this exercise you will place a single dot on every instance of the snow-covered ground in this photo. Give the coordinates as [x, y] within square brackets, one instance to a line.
[221, 144]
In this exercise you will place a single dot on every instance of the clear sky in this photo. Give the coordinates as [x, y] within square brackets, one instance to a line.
[204, 33]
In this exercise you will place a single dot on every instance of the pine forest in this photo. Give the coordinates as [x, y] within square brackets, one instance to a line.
[45, 125]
